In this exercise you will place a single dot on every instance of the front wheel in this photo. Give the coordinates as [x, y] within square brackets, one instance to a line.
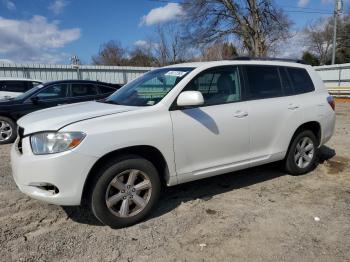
[301, 156]
[8, 131]
[125, 192]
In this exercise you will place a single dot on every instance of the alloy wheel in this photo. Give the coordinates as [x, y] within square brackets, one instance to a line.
[5, 131]
[304, 152]
[128, 193]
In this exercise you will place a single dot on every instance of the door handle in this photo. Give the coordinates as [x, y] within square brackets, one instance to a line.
[240, 114]
[293, 107]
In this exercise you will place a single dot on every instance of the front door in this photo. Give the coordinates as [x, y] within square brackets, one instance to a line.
[214, 137]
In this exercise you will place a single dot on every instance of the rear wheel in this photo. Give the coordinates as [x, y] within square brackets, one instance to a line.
[125, 192]
[8, 132]
[301, 156]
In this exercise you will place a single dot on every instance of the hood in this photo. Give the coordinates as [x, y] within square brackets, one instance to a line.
[55, 118]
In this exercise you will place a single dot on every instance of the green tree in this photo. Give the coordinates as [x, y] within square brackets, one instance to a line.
[310, 58]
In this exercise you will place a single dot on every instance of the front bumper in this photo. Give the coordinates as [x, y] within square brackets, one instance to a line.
[67, 171]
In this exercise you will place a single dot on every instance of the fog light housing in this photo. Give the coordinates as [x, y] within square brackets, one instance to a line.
[46, 187]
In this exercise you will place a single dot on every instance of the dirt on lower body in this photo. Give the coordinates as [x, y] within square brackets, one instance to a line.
[259, 214]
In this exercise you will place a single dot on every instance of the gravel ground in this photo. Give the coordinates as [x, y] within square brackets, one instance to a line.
[257, 214]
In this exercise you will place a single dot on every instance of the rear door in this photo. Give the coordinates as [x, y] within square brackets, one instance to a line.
[273, 111]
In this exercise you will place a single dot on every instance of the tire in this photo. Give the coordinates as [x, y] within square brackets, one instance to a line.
[8, 130]
[297, 150]
[126, 205]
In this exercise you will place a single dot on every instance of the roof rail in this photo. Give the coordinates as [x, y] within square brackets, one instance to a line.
[247, 58]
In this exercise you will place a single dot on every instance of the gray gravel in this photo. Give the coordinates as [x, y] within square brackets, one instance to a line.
[257, 214]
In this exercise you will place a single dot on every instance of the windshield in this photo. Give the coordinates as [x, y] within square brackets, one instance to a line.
[29, 92]
[150, 88]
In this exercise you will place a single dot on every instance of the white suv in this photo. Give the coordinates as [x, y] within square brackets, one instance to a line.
[172, 125]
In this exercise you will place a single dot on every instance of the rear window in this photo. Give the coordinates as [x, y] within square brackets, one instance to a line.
[301, 80]
[14, 86]
[263, 82]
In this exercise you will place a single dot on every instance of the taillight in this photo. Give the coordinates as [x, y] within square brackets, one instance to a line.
[331, 102]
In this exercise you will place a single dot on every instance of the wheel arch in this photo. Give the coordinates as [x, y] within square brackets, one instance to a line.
[313, 126]
[150, 153]
[8, 115]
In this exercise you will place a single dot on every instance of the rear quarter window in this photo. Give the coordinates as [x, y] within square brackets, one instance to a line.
[301, 80]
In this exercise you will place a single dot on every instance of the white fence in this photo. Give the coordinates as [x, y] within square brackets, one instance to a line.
[46, 72]
[334, 76]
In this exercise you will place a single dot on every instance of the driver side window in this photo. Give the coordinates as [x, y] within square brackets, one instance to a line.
[218, 86]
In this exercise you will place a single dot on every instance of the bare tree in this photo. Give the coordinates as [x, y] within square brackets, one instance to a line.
[111, 53]
[161, 47]
[343, 46]
[169, 47]
[257, 24]
[319, 35]
[219, 50]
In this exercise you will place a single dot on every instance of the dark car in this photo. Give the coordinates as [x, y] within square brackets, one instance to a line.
[48, 95]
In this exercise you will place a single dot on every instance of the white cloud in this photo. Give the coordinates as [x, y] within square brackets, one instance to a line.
[141, 43]
[34, 40]
[9, 4]
[303, 3]
[159, 15]
[57, 6]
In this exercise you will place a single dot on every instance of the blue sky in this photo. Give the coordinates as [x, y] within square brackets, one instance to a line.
[50, 31]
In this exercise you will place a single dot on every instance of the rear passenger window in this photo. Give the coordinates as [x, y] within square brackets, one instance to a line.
[301, 80]
[263, 82]
[84, 89]
[286, 84]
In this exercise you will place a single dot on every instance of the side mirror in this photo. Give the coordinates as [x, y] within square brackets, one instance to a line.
[190, 98]
[35, 100]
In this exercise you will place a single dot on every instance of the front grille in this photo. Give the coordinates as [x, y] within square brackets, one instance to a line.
[20, 132]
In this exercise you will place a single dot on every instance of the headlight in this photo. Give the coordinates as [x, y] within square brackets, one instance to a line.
[51, 142]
